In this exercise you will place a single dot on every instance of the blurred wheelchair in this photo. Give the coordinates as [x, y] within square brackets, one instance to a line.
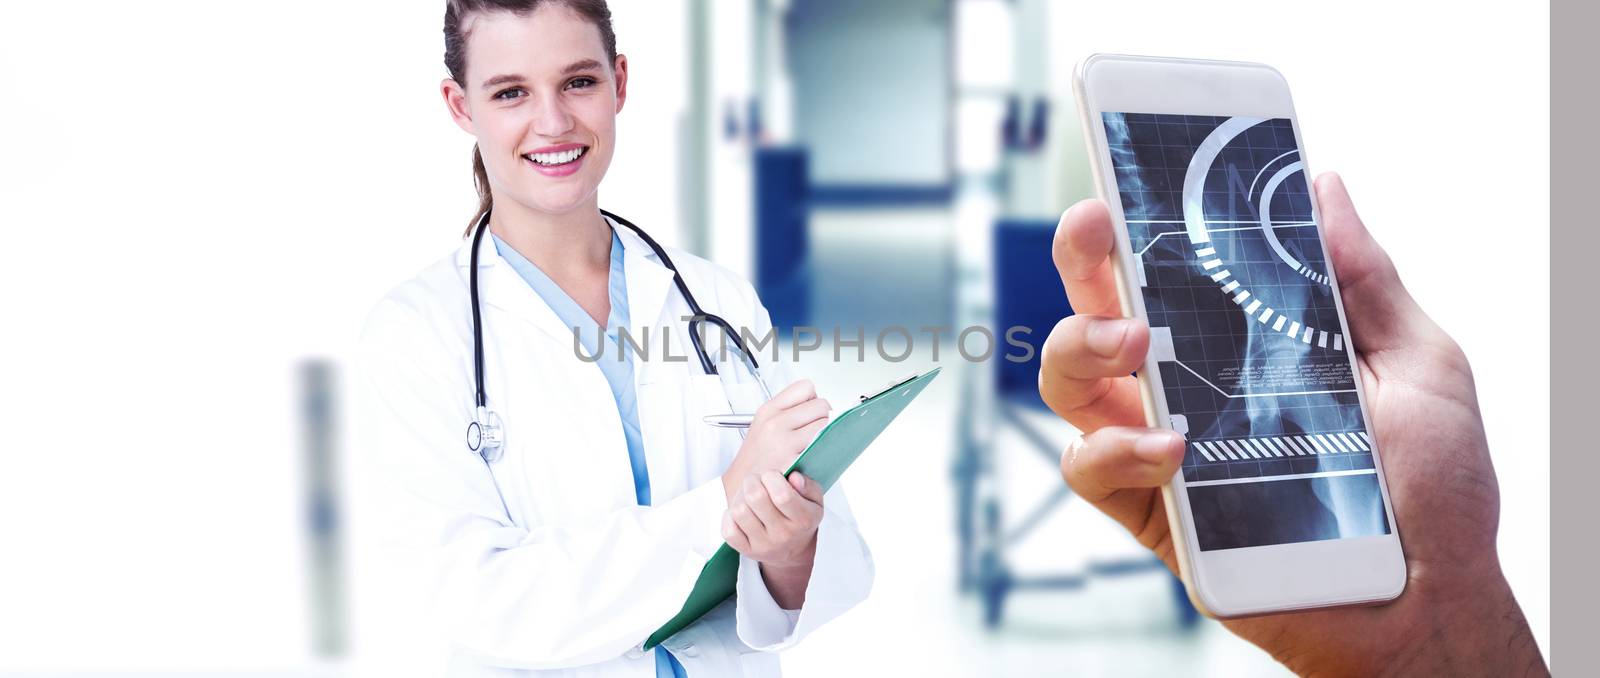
[1027, 293]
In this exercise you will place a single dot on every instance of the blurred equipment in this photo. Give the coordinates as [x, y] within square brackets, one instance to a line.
[1012, 136]
[1023, 268]
[783, 272]
[329, 628]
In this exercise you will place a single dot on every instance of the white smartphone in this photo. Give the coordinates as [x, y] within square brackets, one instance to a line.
[1281, 502]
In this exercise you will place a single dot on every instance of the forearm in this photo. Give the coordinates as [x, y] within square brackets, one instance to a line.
[1461, 624]
[779, 606]
[1481, 634]
[787, 581]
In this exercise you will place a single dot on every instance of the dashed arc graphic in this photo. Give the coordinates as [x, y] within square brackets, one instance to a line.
[1195, 226]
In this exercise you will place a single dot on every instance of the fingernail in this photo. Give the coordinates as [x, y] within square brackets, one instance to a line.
[1155, 446]
[1105, 337]
[1073, 448]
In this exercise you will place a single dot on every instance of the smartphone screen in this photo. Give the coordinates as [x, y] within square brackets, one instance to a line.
[1245, 329]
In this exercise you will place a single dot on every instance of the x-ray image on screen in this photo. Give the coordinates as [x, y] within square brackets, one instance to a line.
[1254, 364]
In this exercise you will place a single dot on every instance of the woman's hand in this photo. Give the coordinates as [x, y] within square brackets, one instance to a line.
[782, 429]
[774, 520]
[770, 519]
[1457, 615]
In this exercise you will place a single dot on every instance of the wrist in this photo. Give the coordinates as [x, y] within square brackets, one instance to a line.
[1477, 629]
[788, 580]
[799, 562]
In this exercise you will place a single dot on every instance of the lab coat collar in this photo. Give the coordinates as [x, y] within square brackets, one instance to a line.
[500, 287]
[649, 287]
[649, 283]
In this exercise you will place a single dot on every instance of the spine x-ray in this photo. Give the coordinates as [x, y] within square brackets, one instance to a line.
[1254, 364]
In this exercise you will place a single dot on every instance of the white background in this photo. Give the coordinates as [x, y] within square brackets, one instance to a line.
[196, 196]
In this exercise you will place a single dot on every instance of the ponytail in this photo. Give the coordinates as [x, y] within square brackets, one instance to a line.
[480, 181]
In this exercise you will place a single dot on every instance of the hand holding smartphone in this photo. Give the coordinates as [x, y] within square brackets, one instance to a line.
[1281, 501]
[1413, 389]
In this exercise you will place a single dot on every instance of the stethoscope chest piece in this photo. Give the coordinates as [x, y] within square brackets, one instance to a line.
[485, 435]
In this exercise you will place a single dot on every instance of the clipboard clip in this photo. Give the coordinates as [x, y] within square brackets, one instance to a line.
[892, 386]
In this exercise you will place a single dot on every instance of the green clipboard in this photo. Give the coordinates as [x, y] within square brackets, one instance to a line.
[824, 460]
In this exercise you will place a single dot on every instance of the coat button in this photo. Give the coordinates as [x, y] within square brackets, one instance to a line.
[689, 650]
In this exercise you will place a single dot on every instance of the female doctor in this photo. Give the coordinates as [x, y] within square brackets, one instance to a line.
[565, 548]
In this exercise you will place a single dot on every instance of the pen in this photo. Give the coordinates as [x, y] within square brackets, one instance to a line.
[743, 420]
[729, 420]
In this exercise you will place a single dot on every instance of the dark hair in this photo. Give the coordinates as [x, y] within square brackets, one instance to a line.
[455, 58]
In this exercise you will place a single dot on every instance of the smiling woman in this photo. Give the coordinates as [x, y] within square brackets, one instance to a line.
[590, 494]
[498, 110]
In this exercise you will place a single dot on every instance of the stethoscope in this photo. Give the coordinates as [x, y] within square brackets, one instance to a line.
[486, 433]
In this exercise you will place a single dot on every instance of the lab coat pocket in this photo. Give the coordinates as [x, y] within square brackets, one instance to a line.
[742, 397]
[714, 396]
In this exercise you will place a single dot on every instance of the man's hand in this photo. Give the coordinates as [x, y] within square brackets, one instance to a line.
[1457, 615]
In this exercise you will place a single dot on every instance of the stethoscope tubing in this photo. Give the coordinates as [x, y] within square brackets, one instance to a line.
[485, 425]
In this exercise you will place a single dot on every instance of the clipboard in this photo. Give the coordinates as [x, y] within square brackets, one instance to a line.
[824, 460]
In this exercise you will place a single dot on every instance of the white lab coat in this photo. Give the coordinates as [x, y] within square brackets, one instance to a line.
[578, 575]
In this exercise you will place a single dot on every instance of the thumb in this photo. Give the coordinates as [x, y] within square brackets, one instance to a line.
[807, 487]
[1381, 313]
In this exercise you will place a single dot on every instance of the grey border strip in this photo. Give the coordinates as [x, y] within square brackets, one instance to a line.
[1573, 462]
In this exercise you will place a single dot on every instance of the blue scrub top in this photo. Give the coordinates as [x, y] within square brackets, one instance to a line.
[618, 372]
